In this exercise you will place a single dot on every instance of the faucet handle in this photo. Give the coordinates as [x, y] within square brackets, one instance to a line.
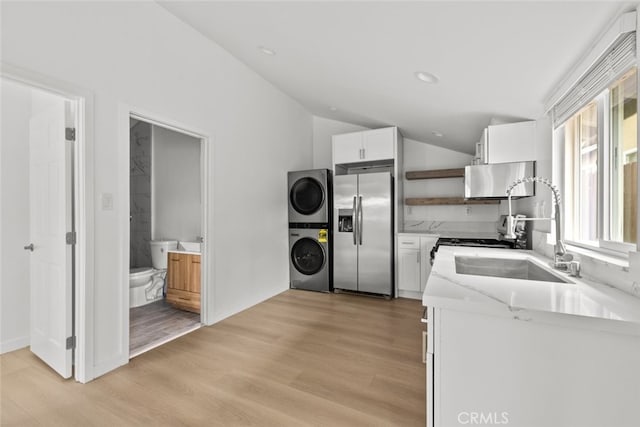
[574, 269]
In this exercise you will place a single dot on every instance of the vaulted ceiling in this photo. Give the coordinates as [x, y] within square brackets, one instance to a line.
[356, 61]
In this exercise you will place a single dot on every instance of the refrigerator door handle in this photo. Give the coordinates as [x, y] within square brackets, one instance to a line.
[360, 220]
[354, 221]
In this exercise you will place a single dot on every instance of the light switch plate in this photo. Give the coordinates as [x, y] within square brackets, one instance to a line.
[107, 201]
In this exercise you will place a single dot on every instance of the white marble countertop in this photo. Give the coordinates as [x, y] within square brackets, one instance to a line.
[419, 233]
[455, 234]
[582, 303]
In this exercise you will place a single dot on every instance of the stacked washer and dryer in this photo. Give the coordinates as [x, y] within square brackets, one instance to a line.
[310, 244]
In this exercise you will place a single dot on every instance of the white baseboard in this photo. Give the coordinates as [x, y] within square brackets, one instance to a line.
[13, 344]
[409, 294]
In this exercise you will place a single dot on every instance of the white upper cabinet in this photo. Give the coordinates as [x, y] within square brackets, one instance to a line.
[378, 144]
[347, 148]
[513, 142]
[365, 146]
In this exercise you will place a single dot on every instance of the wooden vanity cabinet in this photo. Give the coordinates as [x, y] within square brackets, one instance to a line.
[183, 281]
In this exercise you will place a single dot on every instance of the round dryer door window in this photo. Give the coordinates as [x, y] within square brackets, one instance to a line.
[306, 196]
[307, 255]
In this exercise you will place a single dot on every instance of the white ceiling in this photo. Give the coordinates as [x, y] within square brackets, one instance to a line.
[494, 59]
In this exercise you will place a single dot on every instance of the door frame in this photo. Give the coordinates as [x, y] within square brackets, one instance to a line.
[83, 208]
[126, 112]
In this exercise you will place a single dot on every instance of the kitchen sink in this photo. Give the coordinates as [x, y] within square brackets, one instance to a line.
[521, 269]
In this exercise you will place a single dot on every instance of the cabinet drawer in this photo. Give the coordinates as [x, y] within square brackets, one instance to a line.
[408, 242]
[185, 300]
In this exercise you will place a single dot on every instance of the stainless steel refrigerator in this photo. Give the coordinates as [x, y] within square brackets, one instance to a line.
[363, 233]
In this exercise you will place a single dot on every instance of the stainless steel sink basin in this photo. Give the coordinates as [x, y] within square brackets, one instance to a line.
[521, 269]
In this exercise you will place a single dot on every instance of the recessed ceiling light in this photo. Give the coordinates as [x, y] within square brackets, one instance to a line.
[332, 108]
[426, 77]
[438, 134]
[267, 51]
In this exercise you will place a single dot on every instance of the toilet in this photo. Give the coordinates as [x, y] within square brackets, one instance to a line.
[146, 284]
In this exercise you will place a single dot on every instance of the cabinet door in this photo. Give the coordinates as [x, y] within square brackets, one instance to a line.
[426, 244]
[347, 148]
[429, 389]
[378, 144]
[409, 270]
[194, 274]
[173, 271]
[513, 142]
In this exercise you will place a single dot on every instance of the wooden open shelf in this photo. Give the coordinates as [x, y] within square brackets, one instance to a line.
[424, 201]
[435, 174]
[442, 173]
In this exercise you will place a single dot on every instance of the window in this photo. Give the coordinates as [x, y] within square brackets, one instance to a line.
[623, 113]
[600, 169]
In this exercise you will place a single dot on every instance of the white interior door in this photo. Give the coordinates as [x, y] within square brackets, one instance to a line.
[50, 218]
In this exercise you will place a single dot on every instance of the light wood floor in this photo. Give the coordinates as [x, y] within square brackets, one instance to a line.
[156, 323]
[300, 358]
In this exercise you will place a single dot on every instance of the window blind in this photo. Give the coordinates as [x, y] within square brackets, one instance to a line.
[618, 59]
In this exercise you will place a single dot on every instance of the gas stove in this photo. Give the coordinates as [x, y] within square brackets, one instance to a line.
[519, 243]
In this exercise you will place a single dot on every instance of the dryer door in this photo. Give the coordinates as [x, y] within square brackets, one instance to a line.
[308, 256]
[306, 196]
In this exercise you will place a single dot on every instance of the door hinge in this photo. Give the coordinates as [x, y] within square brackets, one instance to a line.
[71, 237]
[70, 134]
[71, 343]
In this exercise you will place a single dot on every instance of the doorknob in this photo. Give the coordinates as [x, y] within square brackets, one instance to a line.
[29, 247]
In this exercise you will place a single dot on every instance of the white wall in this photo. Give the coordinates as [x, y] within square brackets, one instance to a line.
[14, 222]
[136, 53]
[323, 130]
[175, 185]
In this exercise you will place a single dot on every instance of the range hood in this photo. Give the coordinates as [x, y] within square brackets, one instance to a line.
[491, 181]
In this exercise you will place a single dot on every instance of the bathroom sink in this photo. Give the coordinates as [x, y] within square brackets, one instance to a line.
[189, 246]
[521, 269]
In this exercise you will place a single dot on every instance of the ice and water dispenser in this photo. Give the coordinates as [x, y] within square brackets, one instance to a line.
[345, 220]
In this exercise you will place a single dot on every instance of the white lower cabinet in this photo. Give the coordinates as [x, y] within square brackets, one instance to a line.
[414, 266]
[409, 269]
[523, 372]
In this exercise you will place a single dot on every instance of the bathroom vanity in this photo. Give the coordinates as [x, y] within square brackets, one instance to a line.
[183, 280]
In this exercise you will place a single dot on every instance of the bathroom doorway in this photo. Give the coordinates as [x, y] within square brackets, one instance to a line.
[166, 235]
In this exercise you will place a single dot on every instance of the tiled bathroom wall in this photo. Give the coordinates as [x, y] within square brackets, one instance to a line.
[140, 195]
